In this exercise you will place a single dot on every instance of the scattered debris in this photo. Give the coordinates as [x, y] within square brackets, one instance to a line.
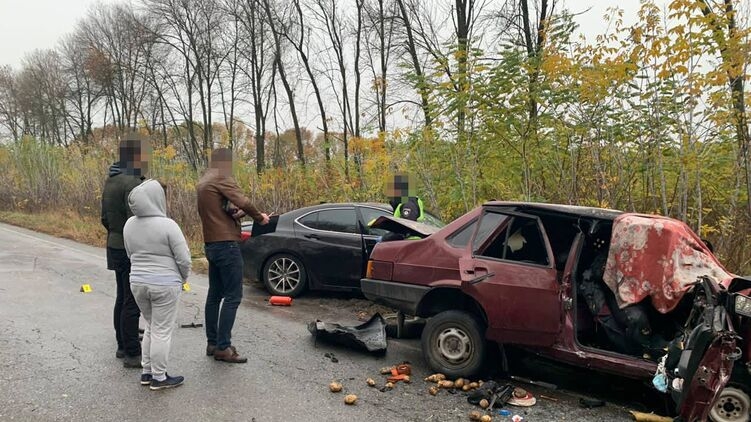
[433, 390]
[588, 403]
[280, 300]
[191, 325]
[537, 383]
[331, 357]
[485, 418]
[335, 387]
[542, 396]
[475, 415]
[370, 336]
[504, 412]
[386, 370]
[484, 403]
[389, 385]
[371, 382]
[522, 397]
[649, 417]
[350, 399]
[517, 418]
[435, 378]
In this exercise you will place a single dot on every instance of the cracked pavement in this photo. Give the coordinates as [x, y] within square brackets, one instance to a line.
[57, 355]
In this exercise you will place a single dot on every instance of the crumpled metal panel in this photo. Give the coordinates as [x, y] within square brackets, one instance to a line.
[657, 257]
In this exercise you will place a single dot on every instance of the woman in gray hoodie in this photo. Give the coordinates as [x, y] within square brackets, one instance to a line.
[160, 263]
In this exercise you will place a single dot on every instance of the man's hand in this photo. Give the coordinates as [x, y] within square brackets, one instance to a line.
[265, 219]
[238, 214]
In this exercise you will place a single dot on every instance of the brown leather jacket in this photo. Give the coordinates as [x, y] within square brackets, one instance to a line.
[214, 190]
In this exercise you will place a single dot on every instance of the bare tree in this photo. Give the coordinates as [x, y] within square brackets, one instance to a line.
[273, 22]
[83, 94]
[11, 115]
[296, 35]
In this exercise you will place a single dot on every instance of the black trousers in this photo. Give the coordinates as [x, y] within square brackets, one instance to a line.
[126, 313]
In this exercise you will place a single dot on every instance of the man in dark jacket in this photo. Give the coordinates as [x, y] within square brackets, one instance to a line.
[221, 205]
[123, 177]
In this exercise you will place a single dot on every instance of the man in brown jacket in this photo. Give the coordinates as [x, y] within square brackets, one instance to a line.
[221, 205]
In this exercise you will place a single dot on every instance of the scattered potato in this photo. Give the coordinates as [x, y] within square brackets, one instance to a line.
[446, 384]
[350, 399]
[407, 379]
[335, 387]
[474, 415]
[474, 385]
[436, 378]
[466, 387]
[389, 385]
[485, 418]
[484, 403]
[459, 383]
[386, 370]
[433, 390]
[371, 382]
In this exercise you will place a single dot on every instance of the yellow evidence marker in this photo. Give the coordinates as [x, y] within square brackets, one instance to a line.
[85, 288]
[186, 287]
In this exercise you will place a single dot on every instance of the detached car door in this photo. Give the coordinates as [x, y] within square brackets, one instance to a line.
[331, 246]
[510, 272]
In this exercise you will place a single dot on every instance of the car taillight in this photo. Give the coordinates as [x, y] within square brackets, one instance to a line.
[369, 269]
[244, 236]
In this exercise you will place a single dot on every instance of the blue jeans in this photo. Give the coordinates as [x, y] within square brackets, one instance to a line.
[225, 283]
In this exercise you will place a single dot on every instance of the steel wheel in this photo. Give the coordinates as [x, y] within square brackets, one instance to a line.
[732, 405]
[284, 275]
[453, 344]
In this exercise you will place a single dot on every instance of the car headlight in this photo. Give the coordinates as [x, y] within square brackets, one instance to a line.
[742, 305]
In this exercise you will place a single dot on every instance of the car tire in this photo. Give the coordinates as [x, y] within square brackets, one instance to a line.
[284, 275]
[732, 405]
[453, 344]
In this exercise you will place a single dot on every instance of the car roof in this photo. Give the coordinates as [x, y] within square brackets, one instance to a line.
[575, 210]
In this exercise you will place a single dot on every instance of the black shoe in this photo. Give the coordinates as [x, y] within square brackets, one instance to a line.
[169, 382]
[146, 379]
[210, 349]
[132, 361]
[120, 353]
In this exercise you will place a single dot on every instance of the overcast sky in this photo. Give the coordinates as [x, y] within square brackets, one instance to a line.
[37, 24]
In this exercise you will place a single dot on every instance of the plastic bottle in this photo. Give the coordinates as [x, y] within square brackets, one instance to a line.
[280, 300]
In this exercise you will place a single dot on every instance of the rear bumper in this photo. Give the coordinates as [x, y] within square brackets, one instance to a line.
[404, 297]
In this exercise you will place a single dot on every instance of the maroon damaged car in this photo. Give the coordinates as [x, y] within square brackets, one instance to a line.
[635, 295]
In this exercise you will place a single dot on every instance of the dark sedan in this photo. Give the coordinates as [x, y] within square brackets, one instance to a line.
[322, 247]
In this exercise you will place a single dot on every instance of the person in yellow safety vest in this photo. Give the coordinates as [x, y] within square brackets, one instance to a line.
[411, 209]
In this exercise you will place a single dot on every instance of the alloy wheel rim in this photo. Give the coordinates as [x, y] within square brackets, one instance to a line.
[454, 345]
[284, 275]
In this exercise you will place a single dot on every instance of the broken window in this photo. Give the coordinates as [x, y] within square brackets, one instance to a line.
[521, 240]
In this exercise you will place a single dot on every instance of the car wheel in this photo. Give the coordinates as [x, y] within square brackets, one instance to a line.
[284, 275]
[453, 344]
[732, 405]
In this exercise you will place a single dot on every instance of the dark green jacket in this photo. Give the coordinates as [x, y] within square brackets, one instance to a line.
[115, 209]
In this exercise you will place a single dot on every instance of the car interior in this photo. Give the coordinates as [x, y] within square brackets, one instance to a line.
[637, 330]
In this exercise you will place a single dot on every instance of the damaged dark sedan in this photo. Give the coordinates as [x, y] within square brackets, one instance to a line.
[635, 295]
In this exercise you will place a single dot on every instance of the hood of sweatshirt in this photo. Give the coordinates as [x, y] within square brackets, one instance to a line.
[148, 200]
[115, 169]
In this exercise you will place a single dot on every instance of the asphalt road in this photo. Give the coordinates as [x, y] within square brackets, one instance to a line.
[57, 355]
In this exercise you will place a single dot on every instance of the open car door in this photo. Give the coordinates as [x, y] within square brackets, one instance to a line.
[699, 366]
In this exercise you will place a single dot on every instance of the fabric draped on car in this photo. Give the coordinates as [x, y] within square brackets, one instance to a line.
[657, 257]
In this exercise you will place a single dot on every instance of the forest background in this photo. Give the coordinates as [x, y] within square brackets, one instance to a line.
[322, 100]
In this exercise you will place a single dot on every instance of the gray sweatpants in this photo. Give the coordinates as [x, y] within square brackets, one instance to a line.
[158, 306]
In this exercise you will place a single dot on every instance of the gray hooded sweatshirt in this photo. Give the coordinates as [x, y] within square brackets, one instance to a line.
[155, 244]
